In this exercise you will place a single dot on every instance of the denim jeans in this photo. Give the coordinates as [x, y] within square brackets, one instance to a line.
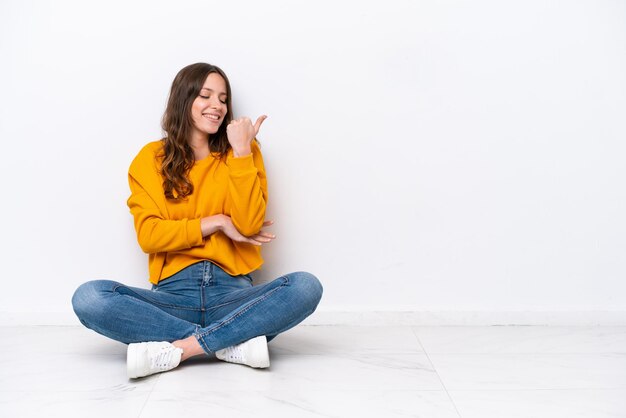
[202, 300]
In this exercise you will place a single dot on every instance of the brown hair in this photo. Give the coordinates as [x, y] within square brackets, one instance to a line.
[177, 124]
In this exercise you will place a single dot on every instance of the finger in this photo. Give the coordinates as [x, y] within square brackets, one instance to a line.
[261, 238]
[258, 123]
[243, 238]
[266, 234]
[268, 223]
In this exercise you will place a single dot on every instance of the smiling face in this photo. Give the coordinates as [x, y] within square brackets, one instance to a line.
[210, 107]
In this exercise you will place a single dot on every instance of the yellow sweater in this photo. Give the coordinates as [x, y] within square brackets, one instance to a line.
[170, 231]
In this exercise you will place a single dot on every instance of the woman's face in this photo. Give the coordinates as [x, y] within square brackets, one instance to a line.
[209, 108]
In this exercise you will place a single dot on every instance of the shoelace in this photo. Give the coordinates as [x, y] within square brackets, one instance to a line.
[234, 353]
[162, 360]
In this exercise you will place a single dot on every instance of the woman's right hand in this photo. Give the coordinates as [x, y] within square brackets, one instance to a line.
[241, 132]
[231, 232]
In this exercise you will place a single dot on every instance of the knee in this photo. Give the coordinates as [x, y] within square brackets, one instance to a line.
[87, 296]
[309, 287]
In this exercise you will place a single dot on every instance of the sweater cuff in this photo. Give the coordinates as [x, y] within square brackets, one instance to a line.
[241, 163]
[194, 232]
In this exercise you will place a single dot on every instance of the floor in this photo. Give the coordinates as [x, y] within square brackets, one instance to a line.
[329, 371]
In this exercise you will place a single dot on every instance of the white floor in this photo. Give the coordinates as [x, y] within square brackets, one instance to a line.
[483, 372]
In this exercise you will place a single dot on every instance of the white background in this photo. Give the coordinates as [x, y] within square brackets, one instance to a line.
[421, 155]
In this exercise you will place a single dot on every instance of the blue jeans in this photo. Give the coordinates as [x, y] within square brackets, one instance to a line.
[202, 300]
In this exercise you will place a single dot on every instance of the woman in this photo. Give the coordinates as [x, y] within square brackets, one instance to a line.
[198, 198]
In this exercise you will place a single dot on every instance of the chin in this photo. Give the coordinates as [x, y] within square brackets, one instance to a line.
[211, 131]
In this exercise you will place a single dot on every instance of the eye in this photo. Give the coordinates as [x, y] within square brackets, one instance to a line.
[208, 97]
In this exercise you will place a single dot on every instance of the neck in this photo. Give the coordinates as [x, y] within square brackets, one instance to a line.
[200, 145]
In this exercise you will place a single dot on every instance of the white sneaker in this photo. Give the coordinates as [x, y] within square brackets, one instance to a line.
[252, 353]
[152, 357]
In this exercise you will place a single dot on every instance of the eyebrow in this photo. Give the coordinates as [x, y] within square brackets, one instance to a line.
[204, 88]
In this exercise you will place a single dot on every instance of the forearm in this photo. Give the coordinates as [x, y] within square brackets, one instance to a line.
[168, 235]
[164, 235]
[247, 189]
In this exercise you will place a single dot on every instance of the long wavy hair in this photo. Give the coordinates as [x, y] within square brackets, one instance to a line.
[177, 124]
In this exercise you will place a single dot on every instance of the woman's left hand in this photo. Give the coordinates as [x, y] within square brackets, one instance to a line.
[241, 132]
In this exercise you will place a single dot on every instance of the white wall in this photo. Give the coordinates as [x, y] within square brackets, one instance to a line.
[421, 155]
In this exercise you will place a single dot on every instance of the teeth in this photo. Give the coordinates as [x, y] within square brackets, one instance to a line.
[214, 117]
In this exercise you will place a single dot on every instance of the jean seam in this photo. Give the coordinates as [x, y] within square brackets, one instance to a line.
[202, 343]
[165, 305]
[226, 303]
[246, 309]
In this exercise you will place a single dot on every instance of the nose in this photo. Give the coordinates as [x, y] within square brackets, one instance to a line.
[215, 103]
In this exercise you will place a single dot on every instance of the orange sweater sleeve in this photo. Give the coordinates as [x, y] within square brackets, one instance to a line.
[155, 232]
[247, 191]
